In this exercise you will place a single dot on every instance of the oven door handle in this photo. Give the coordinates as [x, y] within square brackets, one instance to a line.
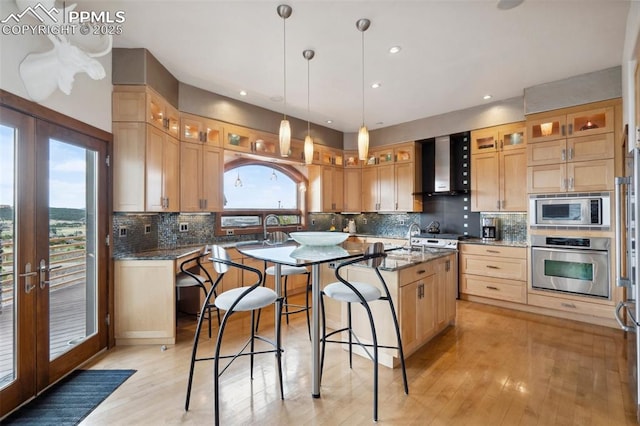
[625, 327]
[576, 250]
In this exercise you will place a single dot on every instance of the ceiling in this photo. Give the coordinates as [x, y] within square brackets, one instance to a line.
[453, 51]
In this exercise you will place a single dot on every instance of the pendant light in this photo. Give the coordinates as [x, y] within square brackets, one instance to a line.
[284, 11]
[238, 182]
[363, 134]
[308, 141]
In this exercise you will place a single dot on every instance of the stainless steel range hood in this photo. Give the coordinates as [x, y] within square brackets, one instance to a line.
[445, 165]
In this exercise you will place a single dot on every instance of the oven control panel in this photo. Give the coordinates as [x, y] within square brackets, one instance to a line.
[434, 242]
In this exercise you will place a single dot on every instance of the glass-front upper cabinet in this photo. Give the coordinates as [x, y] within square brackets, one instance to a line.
[512, 136]
[200, 130]
[583, 123]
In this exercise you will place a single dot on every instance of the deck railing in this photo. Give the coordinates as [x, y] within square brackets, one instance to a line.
[67, 258]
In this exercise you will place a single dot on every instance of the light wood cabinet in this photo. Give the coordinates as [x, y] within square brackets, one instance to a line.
[352, 190]
[571, 151]
[201, 171]
[145, 169]
[498, 168]
[424, 296]
[495, 272]
[390, 178]
[144, 302]
[143, 104]
[561, 124]
[326, 189]
[196, 129]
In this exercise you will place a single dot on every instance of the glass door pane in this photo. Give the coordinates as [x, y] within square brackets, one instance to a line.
[72, 276]
[8, 282]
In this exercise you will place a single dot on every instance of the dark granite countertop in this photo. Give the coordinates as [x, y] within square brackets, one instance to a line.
[495, 243]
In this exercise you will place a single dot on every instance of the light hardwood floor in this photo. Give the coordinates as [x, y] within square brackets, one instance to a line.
[495, 367]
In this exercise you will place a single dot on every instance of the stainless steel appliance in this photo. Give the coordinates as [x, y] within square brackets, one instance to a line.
[627, 261]
[489, 229]
[571, 265]
[590, 211]
[441, 241]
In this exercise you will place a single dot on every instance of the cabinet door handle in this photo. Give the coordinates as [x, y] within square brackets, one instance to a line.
[563, 156]
[498, 204]
[570, 128]
[568, 305]
[563, 130]
[571, 183]
[492, 251]
[447, 265]
[490, 287]
[570, 153]
[492, 267]
[420, 271]
[563, 184]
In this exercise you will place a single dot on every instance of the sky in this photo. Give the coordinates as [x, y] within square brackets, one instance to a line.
[259, 189]
[66, 175]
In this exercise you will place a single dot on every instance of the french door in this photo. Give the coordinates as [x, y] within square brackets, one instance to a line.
[53, 259]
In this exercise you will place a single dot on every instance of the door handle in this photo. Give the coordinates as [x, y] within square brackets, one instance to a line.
[43, 270]
[619, 318]
[622, 277]
[28, 273]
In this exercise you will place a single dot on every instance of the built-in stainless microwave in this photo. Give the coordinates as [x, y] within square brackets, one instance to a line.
[580, 210]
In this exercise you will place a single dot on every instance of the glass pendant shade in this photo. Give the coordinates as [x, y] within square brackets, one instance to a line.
[308, 150]
[363, 143]
[285, 138]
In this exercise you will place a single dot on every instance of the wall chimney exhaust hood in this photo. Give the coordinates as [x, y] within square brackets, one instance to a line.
[446, 165]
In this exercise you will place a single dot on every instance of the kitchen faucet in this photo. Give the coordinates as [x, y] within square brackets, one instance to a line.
[412, 231]
[267, 218]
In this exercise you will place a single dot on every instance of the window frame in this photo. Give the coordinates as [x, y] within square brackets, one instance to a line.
[287, 169]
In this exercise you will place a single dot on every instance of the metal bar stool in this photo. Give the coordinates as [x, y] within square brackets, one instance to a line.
[286, 271]
[188, 278]
[241, 299]
[362, 293]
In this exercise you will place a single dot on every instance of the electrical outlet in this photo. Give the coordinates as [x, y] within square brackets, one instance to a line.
[147, 229]
[122, 231]
[313, 221]
[229, 231]
[184, 227]
[401, 222]
[333, 221]
[364, 221]
[298, 228]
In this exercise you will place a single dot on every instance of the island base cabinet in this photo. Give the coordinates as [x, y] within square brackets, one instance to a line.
[136, 283]
[424, 297]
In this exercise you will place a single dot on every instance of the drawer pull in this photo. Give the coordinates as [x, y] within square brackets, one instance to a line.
[568, 305]
[492, 267]
[420, 271]
[490, 287]
[493, 251]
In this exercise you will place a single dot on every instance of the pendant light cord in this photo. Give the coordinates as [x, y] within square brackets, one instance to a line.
[362, 78]
[308, 102]
[284, 62]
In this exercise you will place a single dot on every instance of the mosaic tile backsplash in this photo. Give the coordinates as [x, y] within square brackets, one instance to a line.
[169, 230]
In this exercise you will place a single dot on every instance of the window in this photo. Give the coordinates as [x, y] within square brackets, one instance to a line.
[262, 187]
[253, 190]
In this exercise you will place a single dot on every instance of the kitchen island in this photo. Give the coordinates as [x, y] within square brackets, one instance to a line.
[423, 286]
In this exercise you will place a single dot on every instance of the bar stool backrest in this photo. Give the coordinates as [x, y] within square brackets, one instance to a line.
[218, 252]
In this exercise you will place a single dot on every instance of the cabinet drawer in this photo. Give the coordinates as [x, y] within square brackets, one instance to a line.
[498, 267]
[512, 291]
[494, 250]
[415, 273]
[571, 305]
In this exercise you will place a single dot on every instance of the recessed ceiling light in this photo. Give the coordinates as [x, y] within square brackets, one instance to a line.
[376, 85]
[508, 4]
[395, 49]
[243, 93]
[487, 97]
[329, 121]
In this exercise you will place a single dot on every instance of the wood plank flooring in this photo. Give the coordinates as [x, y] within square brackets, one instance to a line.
[495, 367]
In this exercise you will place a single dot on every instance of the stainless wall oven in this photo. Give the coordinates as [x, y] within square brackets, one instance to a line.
[589, 211]
[571, 265]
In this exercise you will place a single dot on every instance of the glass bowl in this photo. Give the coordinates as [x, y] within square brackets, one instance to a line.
[319, 238]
